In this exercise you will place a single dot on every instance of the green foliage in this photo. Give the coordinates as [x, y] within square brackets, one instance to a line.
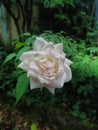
[19, 45]
[24, 49]
[9, 57]
[87, 123]
[56, 3]
[33, 126]
[6, 78]
[21, 86]
[73, 17]
[82, 86]
[74, 22]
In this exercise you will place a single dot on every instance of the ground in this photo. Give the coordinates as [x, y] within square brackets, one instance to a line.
[20, 118]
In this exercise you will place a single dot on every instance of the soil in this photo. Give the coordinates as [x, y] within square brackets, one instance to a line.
[15, 118]
[12, 119]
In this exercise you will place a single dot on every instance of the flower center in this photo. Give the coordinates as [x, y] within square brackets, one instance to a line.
[48, 66]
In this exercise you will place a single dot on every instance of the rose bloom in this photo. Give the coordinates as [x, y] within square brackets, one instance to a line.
[46, 65]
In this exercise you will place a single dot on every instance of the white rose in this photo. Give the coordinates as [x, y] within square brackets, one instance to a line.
[46, 65]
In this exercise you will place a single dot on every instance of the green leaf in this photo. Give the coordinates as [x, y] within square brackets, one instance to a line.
[29, 40]
[21, 87]
[25, 34]
[19, 45]
[70, 2]
[94, 67]
[76, 113]
[24, 49]
[33, 126]
[82, 115]
[9, 57]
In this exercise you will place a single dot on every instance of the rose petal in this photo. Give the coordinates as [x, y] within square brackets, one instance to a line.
[26, 55]
[68, 72]
[48, 46]
[59, 48]
[56, 55]
[39, 43]
[42, 80]
[34, 67]
[68, 62]
[22, 66]
[34, 84]
[62, 77]
[58, 82]
[31, 54]
[51, 89]
[31, 74]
